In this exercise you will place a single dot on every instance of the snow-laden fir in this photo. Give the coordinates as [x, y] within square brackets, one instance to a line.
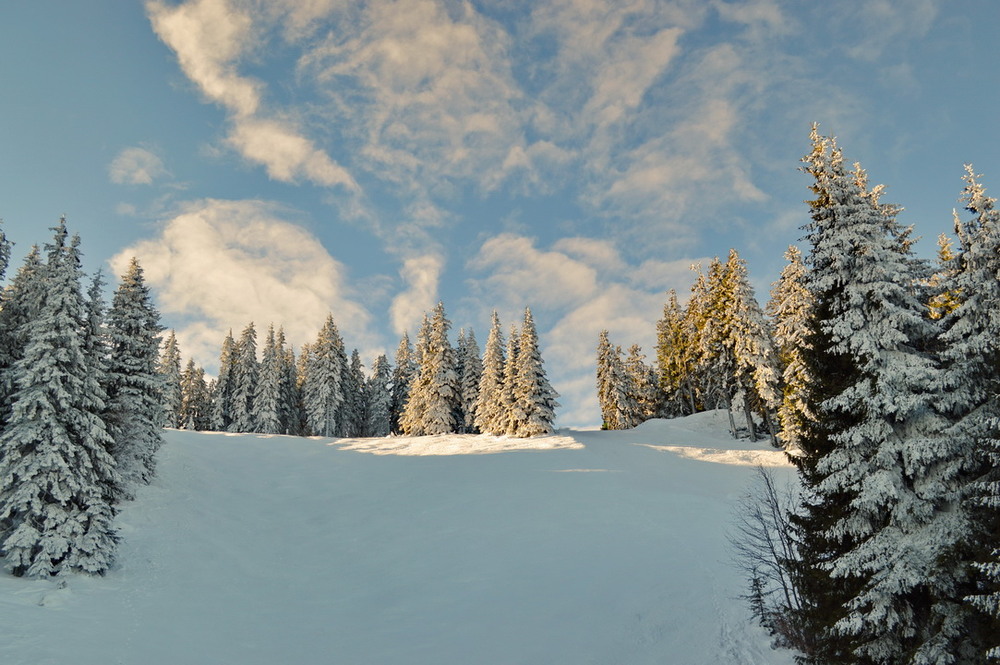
[580, 547]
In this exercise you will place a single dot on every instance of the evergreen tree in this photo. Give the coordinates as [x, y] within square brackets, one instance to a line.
[196, 400]
[434, 395]
[534, 399]
[353, 416]
[615, 392]
[489, 397]
[471, 372]
[267, 396]
[970, 351]
[791, 309]
[56, 474]
[245, 376]
[222, 393]
[645, 386]
[402, 377]
[323, 381]
[20, 303]
[379, 399]
[411, 419]
[943, 301]
[134, 384]
[290, 404]
[170, 373]
[879, 520]
[673, 352]
[506, 425]
[757, 374]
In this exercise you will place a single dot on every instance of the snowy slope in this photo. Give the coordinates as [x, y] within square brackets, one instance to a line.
[579, 548]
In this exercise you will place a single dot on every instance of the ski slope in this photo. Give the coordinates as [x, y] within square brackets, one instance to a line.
[584, 547]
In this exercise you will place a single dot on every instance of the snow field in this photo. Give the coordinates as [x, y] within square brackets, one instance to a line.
[280, 550]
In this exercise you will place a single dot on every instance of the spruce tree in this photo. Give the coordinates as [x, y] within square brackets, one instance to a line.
[757, 374]
[880, 519]
[506, 426]
[196, 401]
[489, 395]
[617, 396]
[170, 373]
[323, 381]
[267, 395]
[245, 376]
[222, 393]
[645, 387]
[353, 416]
[134, 384]
[19, 304]
[471, 373]
[379, 399]
[791, 309]
[402, 377]
[56, 474]
[434, 394]
[534, 399]
[290, 404]
[970, 349]
[673, 359]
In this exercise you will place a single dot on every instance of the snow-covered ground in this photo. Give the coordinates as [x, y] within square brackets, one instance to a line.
[585, 547]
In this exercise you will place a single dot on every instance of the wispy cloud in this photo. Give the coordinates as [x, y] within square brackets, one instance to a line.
[210, 38]
[136, 166]
[219, 265]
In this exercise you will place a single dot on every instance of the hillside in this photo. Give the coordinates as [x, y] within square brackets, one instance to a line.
[585, 547]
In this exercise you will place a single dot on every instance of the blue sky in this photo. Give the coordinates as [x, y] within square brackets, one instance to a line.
[278, 160]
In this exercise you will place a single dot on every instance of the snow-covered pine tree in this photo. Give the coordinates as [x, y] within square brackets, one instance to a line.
[290, 404]
[615, 392]
[133, 387]
[757, 374]
[672, 351]
[435, 393]
[886, 481]
[534, 399]
[245, 375]
[222, 393]
[170, 373]
[472, 370]
[970, 350]
[402, 377]
[645, 388]
[489, 396]
[196, 400]
[505, 422]
[791, 309]
[56, 474]
[18, 305]
[411, 418]
[267, 397]
[323, 381]
[352, 416]
[379, 399]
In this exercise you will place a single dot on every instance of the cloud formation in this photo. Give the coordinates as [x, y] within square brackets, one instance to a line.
[136, 166]
[218, 265]
[210, 38]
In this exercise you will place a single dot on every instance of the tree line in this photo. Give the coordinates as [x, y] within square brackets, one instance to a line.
[79, 408]
[879, 373]
[432, 387]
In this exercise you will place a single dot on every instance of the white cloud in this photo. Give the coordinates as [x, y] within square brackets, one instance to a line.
[421, 275]
[210, 37]
[218, 265]
[428, 89]
[136, 166]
